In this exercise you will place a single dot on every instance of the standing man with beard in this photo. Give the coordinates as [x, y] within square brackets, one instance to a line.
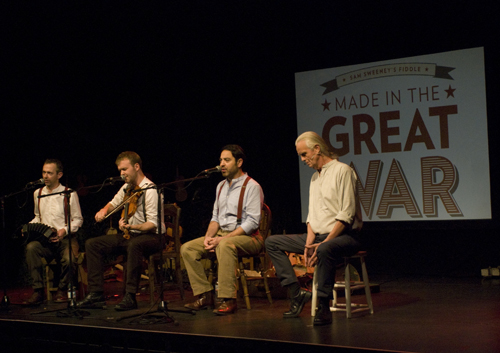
[226, 236]
[52, 211]
[139, 235]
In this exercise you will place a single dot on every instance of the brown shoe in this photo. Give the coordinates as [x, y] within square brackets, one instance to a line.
[204, 301]
[227, 306]
[60, 297]
[35, 299]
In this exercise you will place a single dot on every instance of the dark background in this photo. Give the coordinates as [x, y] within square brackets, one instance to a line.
[177, 80]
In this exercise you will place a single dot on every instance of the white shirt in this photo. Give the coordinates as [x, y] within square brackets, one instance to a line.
[333, 197]
[149, 198]
[51, 210]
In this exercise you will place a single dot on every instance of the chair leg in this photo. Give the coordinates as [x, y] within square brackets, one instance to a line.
[244, 285]
[152, 279]
[366, 283]
[178, 274]
[335, 303]
[266, 286]
[314, 300]
[47, 282]
[347, 275]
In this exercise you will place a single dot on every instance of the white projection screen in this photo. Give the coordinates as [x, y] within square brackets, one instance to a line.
[414, 129]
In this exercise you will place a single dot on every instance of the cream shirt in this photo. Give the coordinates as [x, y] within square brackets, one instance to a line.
[333, 197]
[51, 210]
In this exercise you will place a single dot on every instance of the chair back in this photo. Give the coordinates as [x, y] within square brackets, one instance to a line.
[172, 215]
[265, 221]
[262, 258]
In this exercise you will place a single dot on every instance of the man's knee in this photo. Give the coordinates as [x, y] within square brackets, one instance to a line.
[90, 243]
[329, 251]
[33, 246]
[227, 244]
[270, 242]
[189, 250]
[183, 249]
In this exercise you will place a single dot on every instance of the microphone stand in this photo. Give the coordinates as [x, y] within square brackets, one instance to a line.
[162, 308]
[71, 309]
[5, 302]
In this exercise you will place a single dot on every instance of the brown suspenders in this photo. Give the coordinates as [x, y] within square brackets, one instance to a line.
[65, 206]
[240, 202]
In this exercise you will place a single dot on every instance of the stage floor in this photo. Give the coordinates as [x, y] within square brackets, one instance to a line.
[411, 315]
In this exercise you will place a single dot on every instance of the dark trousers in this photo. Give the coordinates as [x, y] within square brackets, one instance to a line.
[329, 255]
[134, 248]
[35, 250]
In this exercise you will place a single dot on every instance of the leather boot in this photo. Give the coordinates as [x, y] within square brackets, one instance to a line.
[61, 296]
[297, 304]
[35, 299]
[128, 303]
[93, 300]
[323, 315]
[204, 301]
[227, 306]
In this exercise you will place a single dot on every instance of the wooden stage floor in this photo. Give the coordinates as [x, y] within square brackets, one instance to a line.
[411, 315]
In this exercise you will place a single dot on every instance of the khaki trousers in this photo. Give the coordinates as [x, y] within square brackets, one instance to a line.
[227, 253]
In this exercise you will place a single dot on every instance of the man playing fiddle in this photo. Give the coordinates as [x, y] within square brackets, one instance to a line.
[140, 229]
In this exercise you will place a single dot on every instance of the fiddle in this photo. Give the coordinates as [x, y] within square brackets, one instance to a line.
[132, 195]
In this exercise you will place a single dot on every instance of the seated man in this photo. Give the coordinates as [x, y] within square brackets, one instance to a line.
[52, 211]
[226, 236]
[139, 235]
[333, 224]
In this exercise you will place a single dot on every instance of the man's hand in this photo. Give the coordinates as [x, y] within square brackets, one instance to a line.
[99, 216]
[211, 243]
[310, 257]
[61, 233]
[122, 225]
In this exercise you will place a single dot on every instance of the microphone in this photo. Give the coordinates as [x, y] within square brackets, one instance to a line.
[118, 178]
[310, 158]
[215, 169]
[36, 182]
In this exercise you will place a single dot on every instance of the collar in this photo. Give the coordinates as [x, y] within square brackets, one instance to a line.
[326, 166]
[145, 181]
[45, 189]
[232, 181]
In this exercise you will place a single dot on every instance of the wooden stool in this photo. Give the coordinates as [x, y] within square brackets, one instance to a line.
[347, 286]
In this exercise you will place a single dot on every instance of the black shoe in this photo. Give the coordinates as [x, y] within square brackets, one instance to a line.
[128, 303]
[297, 304]
[93, 300]
[323, 315]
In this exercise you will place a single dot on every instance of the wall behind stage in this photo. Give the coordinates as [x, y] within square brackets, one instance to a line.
[414, 130]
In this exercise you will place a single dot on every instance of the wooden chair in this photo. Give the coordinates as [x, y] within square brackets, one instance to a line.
[52, 274]
[172, 214]
[260, 260]
[348, 287]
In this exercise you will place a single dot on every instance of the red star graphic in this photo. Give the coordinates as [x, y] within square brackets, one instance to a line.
[450, 91]
[326, 105]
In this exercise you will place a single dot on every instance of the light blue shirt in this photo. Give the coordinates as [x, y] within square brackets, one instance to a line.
[226, 205]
